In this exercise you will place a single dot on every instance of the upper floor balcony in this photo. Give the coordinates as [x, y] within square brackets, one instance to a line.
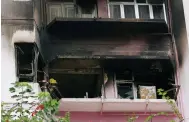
[127, 16]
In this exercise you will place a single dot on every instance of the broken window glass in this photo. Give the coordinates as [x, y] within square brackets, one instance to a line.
[125, 90]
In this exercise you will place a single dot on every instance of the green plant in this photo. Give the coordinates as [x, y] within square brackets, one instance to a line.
[164, 95]
[42, 108]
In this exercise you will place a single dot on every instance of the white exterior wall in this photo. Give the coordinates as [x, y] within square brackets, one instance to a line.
[8, 71]
[9, 35]
[184, 70]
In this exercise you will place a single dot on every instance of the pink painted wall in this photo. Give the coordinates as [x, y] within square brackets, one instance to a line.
[110, 117]
[109, 88]
[102, 8]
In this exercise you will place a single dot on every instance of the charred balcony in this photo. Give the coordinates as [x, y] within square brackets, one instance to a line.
[115, 17]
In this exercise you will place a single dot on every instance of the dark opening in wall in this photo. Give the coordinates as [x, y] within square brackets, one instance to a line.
[133, 76]
[88, 9]
[24, 60]
[77, 85]
[77, 78]
[29, 63]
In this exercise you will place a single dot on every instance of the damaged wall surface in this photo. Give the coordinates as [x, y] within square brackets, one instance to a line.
[180, 13]
[16, 9]
[17, 27]
[131, 46]
[11, 33]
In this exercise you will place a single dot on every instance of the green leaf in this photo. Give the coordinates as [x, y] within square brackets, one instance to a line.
[14, 96]
[160, 90]
[18, 99]
[12, 89]
[164, 93]
[28, 90]
[148, 118]
[22, 92]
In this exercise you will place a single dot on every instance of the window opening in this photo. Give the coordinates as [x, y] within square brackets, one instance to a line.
[77, 78]
[125, 85]
[132, 77]
[27, 62]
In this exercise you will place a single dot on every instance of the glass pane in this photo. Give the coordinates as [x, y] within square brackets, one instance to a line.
[156, 1]
[69, 11]
[125, 91]
[54, 11]
[158, 11]
[129, 11]
[115, 11]
[141, 1]
[144, 12]
[121, 0]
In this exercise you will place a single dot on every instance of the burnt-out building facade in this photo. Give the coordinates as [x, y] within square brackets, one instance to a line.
[83, 41]
[103, 54]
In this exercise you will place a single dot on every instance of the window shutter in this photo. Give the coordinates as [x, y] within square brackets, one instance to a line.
[54, 11]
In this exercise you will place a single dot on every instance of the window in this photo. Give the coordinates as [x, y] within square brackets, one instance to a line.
[138, 9]
[115, 11]
[54, 11]
[125, 90]
[22, 0]
[158, 11]
[70, 10]
[144, 11]
[125, 85]
[141, 1]
[87, 12]
[129, 11]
